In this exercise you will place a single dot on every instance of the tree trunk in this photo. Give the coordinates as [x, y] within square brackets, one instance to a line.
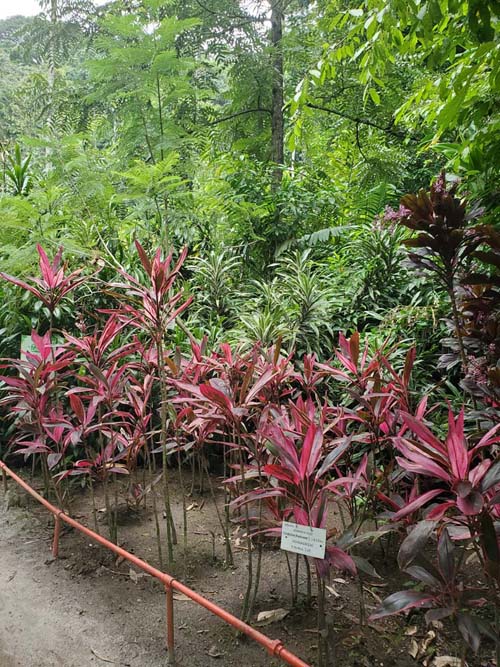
[51, 75]
[277, 123]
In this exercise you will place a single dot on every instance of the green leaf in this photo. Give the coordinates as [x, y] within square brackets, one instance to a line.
[375, 96]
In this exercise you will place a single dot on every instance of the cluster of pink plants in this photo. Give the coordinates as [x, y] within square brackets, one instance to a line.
[295, 440]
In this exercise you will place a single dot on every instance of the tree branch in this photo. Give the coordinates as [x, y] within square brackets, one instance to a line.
[363, 121]
[245, 17]
[238, 113]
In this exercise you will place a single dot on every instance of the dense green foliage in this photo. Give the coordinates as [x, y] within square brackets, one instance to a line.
[161, 122]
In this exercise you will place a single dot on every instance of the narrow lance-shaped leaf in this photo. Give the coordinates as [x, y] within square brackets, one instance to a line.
[401, 601]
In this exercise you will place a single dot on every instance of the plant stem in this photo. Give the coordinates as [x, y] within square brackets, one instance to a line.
[225, 532]
[94, 508]
[227, 517]
[155, 510]
[362, 608]
[257, 580]
[184, 514]
[171, 537]
[458, 329]
[246, 601]
[296, 577]
[322, 643]
[290, 576]
[309, 581]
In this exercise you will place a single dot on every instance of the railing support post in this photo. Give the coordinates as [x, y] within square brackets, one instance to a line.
[170, 625]
[4, 477]
[57, 532]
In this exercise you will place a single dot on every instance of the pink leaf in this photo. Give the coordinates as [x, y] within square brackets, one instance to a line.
[422, 432]
[457, 448]
[416, 504]
[340, 559]
[311, 451]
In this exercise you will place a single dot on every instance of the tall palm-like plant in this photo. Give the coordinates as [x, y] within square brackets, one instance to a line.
[17, 172]
[214, 282]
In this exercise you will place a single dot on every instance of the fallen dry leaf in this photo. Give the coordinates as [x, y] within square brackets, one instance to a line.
[135, 576]
[413, 650]
[373, 594]
[411, 630]
[100, 657]
[446, 661]
[352, 618]
[180, 597]
[425, 643]
[331, 589]
[272, 616]
[214, 652]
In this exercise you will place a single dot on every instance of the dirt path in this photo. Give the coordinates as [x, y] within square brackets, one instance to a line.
[45, 619]
[73, 613]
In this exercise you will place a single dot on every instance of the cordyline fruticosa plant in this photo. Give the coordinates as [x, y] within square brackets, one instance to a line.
[449, 246]
[111, 414]
[298, 471]
[53, 285]
[374, 394]
[105, 391]
[227, 401]
[149, 305]
[34, 396]
[38, 389]
[479, 302]
[465, 489]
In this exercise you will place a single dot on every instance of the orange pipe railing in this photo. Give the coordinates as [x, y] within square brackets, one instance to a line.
[273, 646]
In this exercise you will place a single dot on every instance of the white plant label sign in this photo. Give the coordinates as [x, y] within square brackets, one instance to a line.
[27, 345]
[304, 540]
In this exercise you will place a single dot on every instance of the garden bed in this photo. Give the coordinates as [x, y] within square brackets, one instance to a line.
[89, 608]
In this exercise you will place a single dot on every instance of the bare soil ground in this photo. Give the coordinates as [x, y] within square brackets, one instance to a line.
[88, 608]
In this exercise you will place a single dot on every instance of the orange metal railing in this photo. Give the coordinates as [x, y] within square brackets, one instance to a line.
[273, 646]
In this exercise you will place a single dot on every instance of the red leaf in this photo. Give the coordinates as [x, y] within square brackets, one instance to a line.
[456, 445]
[416, 504]
[471, 504]
[311, 451]
[340, 559]
[77, 407]
[422, 432]
[419, 462]
[143, 257]
[354, 348]
[409, 362]
[217, 397]
[413, 544]
[279, 472]
[437, 512]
